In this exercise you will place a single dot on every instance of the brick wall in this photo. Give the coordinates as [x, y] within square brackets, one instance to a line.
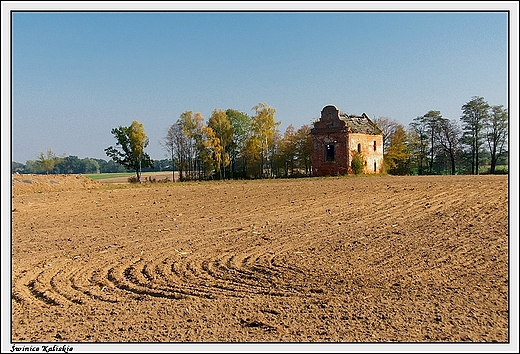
[333, 146]
[340, 164]
[371, 156]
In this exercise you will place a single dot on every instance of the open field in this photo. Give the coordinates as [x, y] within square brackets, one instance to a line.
[347, 259]
[123, 177]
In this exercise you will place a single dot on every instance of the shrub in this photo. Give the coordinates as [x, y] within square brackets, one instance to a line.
[357, 163]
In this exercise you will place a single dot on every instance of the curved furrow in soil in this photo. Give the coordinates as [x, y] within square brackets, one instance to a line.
[230, 274]
[27, 286]
[114, 278]
[129, 277]
[78, 282]
[225, 274]
[42, 287]
[20, 292]
[264, 263]
[240, 272]
[49, 284]
[93, 284]
[245, 270]
[61, 283]
[280, 278]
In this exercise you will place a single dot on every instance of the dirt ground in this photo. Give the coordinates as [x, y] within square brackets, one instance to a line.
[336, 259]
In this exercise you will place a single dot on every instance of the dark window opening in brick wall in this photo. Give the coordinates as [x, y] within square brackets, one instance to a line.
[329, 153]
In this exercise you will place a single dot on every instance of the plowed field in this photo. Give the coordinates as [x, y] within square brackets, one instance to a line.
[338, 259]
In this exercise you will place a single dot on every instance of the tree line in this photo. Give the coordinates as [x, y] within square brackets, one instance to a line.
[233, 144]
[432, 144]
[50, 163]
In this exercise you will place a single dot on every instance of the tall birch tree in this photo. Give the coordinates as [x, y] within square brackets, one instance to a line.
[474, 118]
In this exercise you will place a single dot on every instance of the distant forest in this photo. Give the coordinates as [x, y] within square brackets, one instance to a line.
[75, 165]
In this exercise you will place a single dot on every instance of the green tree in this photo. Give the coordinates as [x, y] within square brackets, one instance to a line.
[474, 117]
[48, 161]
[71, 164]
[17, 167]
[241, 126]
[304, 148]
[398, 157]
[90, 165]
[496, 131]
[293, 152]
[110, 166]
[33, 166]
[431, 123]
[418, 144]
[129, 150]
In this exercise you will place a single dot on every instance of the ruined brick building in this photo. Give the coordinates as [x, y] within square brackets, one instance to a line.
[337, 137]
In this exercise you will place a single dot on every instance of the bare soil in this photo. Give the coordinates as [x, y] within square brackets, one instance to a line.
[336, 259]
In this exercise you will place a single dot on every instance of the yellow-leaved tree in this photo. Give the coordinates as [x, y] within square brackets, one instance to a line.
[219, 129]
[263, 127]
[397, 159]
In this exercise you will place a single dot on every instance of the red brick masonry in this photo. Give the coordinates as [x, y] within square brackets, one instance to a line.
[337, 136]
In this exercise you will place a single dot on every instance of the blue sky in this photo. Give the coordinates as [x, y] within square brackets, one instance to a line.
[78, 75]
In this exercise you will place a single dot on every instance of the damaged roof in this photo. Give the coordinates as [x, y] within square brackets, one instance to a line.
[360, 124]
